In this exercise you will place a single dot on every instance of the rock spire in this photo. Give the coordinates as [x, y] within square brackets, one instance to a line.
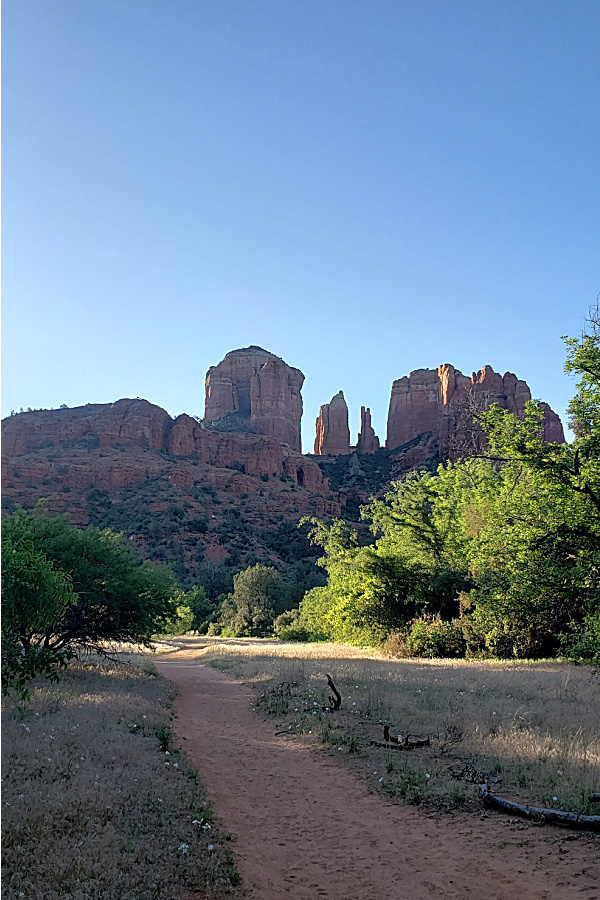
[368, 442]
[332, 431]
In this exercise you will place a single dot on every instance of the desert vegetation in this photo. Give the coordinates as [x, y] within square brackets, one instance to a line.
[98, 800]
[530, 730]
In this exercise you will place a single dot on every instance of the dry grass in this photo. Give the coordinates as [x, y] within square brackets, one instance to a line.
[97, 802]
[531, 729]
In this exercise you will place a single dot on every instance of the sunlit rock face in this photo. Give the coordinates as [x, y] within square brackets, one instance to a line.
[443, 402]
[368, 442]
[332, 432]
[260, 390]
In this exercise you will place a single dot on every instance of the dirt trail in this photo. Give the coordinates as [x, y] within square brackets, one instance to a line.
[307, 827]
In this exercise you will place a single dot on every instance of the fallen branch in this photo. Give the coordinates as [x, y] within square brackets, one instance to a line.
[539, 814]
[336, 701]
[400, 741]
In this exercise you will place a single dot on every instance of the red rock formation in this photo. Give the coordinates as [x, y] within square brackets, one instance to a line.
[442, 402]
[332, 431]
[368, 442]
[139, 424]
[126, 422]
[260, 389]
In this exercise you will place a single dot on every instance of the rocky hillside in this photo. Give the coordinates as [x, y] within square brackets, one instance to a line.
[217, 495]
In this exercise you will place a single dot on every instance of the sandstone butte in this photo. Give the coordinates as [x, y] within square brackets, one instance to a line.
[442, 401]
[332, 431]
[139, 424]
[261, 390]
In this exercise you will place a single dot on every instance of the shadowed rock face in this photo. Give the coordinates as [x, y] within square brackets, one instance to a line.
[368, 442]
[332, 431]
[261, 390]
[442, 401]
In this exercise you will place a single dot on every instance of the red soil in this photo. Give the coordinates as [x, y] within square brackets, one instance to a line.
[307, 827]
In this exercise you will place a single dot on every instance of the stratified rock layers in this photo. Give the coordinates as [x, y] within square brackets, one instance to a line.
[139, 424]
[332, 430]
[368, 442]
[443, 401]
[261, 390]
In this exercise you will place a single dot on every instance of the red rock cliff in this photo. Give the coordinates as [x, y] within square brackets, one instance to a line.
[368, 442]
[332, 431]
[442, 401]
[142, 425]
[261, 389]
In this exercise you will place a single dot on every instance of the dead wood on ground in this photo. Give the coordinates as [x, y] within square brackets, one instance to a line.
[539, 814]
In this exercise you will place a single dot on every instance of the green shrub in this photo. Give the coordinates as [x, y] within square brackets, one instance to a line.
[432, 638]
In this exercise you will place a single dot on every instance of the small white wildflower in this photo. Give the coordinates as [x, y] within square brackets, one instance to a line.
[555, 798]
[559, 771]
[167, 753]
[210, 847]
[493, 713]
[143, 717]
[196, 822]
[354, 704]
[339, 748]
[380, 779]
[374, 773]
[314, 704]
[184, 848]
[167, 764]
[207, 826]
[160, 800]
[48, 759]
[296, 710]
[427, 775]
[175, 765]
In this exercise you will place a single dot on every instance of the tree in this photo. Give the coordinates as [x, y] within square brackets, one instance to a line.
[35, 598]
[253, 605]
[117, 597]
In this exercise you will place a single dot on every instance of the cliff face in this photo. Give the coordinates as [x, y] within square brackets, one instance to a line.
[139, 424]
[368, 442]
[261, 390]
[442, 401]
[332, 431]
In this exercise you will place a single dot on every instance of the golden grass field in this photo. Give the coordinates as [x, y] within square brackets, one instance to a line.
[97, 801]
[532, 730]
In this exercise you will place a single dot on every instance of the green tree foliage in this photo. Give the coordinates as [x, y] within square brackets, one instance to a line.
[35, 598]
[116, 597]
[506, 546]
[254, 603]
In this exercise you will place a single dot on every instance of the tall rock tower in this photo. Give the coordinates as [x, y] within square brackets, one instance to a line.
[261, 390]
[332, 430]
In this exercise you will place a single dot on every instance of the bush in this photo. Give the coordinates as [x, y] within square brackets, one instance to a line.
[432, 638]
[288, 627]
[113, 596]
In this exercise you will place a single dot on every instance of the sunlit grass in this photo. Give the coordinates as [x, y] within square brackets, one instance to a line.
[531, 729]
[93, 808]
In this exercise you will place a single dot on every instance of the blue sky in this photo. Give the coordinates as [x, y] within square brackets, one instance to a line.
[363, 188]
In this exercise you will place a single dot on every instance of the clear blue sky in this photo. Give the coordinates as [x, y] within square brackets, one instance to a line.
[362, 187]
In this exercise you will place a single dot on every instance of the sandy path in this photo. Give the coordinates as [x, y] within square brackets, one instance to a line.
[307, 827]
